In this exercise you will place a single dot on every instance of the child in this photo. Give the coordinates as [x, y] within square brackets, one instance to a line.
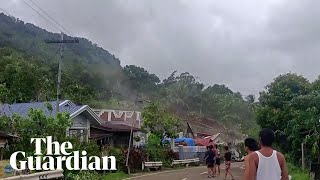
[227, 159]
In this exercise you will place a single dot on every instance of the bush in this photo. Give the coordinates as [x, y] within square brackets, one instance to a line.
[118, 154]
[136, 157]
[297, 173]
[84, 175]
[163, 154]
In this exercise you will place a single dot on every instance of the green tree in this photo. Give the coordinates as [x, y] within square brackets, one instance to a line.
[250, 98]
[290, 106]
[37, 124]
[219, 89]
[182, 93]
[21, 80]
[139, 79]
[157, 121]
[275, 100]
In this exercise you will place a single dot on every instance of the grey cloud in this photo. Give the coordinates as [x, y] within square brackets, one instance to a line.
[243, 44]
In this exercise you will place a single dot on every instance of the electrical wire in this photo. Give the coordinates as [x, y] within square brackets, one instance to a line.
[41, 16]
[49, 65]
[51, 17]
[5, 11]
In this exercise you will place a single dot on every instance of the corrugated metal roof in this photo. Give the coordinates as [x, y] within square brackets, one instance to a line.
[23, 109]
[5, 134]
[119, 127]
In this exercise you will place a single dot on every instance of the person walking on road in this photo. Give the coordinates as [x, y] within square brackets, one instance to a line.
[267, 164]
[209, 158]
[227, 159]
[218, 160]
[215, 159]
[250, 145]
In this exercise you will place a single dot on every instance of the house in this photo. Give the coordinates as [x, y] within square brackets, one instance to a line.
[113, 134]
[128, 118]
[112, 129]
[5, 139]
[82, 116]
[120, 123]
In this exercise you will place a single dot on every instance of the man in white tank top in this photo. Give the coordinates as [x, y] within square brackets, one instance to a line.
[267, 164]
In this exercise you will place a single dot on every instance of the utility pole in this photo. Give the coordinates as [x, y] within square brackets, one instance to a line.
[131, 134]
[303, 162]
[61, 42]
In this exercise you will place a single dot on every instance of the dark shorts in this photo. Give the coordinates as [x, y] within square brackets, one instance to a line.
[210, 165]
[218, 161]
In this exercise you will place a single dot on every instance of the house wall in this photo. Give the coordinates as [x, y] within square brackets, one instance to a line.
[80, 127]
[80, 121]
[120, 139]
[130, 117]
[97, 131]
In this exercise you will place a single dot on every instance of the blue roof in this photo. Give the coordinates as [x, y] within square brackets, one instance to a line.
[22, 109]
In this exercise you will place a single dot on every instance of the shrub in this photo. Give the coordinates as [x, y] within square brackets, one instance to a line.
[163, 154]
[297, 173]
[136, 157]
[83, 175]
[118, 154]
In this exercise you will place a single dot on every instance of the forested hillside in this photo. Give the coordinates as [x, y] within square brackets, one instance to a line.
[29, 38]
[92, 75]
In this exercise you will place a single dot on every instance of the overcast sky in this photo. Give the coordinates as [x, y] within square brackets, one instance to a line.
[243, 44]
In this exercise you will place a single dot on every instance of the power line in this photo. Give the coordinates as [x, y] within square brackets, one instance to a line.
[51, 17]
[41, 15]
[5, 11]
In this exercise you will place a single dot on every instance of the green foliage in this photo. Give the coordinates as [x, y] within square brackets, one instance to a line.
[120, 157]
[89, 70]
[154, 140]
[115, 176]
[157, 152]
[23, 79]
[250, 98]
[297, 173]
[91, 75]
[139, 78]
[290, 106]
[37, 124]
[183, 94]
[159, 122]
[92, 175]
[84, 175]
[160, 154]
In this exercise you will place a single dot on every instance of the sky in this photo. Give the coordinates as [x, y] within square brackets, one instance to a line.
[242, 44]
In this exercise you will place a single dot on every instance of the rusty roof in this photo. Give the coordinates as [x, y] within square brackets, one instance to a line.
[120, 127]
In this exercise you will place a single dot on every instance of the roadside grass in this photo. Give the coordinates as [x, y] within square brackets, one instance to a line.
[297, 173]
[115, 176]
